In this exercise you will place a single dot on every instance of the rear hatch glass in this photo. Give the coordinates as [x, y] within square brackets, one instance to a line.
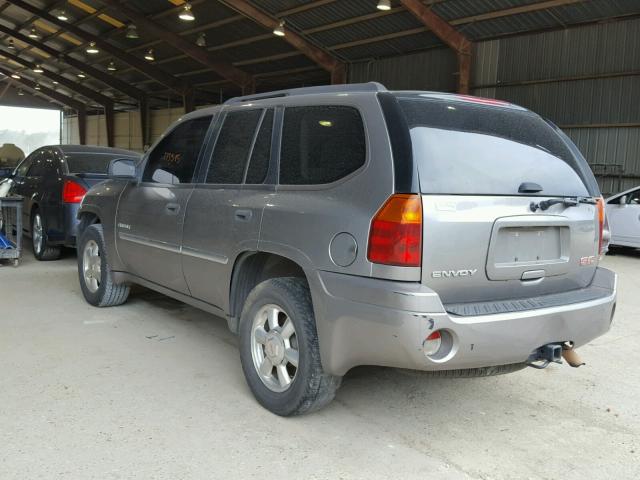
[478, 149]
[91, 163]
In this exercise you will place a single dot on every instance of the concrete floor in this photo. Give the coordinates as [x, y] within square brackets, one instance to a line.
[154, 389]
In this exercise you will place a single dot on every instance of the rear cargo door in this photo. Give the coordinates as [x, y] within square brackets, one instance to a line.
[507, 210]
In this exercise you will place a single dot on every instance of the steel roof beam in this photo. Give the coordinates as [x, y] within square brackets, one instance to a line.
[52, 94]
[449, 35]
[327, 61]
[174, 83]
[105, 78]
[74, 86]
[225, 70]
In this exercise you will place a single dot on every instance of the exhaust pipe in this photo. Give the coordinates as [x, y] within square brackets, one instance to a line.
[570, 355]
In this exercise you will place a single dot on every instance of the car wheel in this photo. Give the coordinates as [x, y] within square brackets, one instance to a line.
[279, 349]
[94, 271]
[41, 248]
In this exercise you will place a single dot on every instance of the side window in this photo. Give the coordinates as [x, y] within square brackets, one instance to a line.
[174, 159]
[259, 162]
[232, 149]
[37, 168]
[321, 144]
[23, 168]
[634, 198]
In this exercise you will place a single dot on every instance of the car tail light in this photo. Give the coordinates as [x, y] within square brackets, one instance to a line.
[432, 344]
[72, 192]
[604, 235]
[396, 232]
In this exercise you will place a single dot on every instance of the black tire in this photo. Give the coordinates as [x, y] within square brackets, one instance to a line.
[42, 251]
[108, 293]
[311, 388]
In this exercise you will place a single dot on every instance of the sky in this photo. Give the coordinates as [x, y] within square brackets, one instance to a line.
[29, 128]
[31, 120]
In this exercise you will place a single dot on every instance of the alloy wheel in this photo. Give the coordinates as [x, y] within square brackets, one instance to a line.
[91, 266]
[274, 348]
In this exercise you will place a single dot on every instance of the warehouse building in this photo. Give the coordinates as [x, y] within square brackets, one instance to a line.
[575, 62]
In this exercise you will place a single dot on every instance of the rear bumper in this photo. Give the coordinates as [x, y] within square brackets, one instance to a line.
[363, 321]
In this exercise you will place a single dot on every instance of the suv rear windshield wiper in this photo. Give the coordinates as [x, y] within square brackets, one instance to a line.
[567, 202]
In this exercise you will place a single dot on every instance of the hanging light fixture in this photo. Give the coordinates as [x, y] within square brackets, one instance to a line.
[11, 45]
[16, 76]
[132, 32]
[92, 48]
[81, 75]
[37, 87]
[186, 14]
[111, 67]
[384, 5]
[20, 92]
[202, 40]
[62, 16]
[279, 30]
[38, 69]
[34, 34]
[54, 82]
[149, 56]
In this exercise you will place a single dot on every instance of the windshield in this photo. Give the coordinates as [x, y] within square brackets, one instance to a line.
[466, 148]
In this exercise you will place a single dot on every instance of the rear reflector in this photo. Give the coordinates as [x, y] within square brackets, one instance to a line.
[603, 224]
[72, 192]
[432, 344]
[396, 232]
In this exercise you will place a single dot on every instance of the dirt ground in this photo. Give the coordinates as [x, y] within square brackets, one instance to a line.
[154, 390]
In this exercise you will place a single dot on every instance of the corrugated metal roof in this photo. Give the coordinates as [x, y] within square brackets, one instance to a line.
[351, 30]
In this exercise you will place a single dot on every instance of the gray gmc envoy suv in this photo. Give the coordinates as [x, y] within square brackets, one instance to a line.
[349, 225]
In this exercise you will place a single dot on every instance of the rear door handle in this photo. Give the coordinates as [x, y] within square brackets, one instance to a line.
[243, 215]
[172, 208]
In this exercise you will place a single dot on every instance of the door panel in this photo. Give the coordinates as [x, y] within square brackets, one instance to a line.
[151, 213]
[219, 225]
[148, 232]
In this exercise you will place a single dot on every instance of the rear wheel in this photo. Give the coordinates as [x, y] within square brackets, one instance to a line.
[279, 349]
[41, 248]
[94, 271]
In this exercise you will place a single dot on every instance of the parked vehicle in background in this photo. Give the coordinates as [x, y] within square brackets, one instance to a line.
[348, 225]
[623, 213]
[53, 180]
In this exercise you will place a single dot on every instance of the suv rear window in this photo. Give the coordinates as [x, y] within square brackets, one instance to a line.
[466, 148]
[321, 144]
[97, 163]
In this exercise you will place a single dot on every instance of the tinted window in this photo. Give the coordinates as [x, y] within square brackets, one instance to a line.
[174, 159]
[321, 144]
[91, 162]
[23, 168]
[233, 146]
[37, 168]
[465, 148]
[259, 163]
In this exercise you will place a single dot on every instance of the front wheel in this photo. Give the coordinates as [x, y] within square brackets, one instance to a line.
[279, 349]
[94, 271]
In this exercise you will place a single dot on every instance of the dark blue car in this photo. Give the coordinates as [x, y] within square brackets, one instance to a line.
[53, 181]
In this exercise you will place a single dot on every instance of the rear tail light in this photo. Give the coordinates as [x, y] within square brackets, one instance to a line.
[396, 232]
[432, 344]
[603, 227]
[72, 192]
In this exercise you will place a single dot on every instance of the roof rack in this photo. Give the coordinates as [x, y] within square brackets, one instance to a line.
[348, 88]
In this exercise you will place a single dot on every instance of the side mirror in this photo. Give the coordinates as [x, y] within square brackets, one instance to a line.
[623, 200]
[124, 168]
